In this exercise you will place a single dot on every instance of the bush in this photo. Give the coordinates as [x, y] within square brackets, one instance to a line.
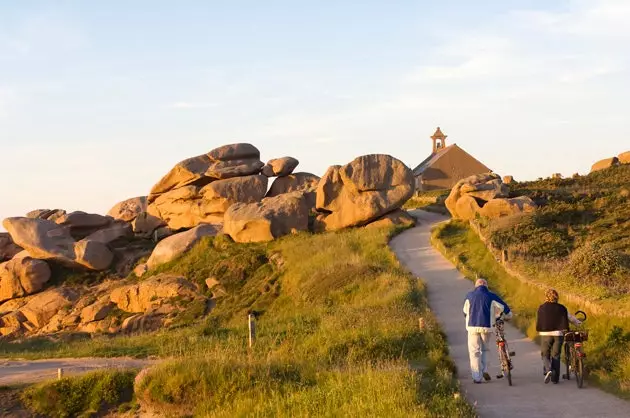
[80, 396]
[599, 263]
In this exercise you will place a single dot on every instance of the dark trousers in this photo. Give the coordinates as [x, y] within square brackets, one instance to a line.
[550, 349]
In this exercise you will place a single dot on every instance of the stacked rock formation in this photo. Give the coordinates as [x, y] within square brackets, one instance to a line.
[485, 195]
[225, 191]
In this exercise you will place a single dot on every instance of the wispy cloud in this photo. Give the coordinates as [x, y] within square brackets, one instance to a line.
[569, 47]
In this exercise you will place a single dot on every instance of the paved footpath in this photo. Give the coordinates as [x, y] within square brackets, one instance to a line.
[14, 372]
[529, 397]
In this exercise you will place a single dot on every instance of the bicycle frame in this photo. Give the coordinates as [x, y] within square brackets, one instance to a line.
[574, 353]
[505, 355]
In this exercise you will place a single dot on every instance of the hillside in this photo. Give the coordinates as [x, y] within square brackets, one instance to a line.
[579, 238]
[337, 334]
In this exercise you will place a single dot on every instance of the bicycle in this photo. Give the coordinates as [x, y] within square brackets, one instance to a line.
[505, 355]
[574, 353]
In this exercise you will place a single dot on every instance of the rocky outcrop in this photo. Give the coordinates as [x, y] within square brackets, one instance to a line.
[47, 240]
[174, 246]
[604, 164]
[22, 276]
[145, 224]
[271, 218]
[398, 217]
[97, 311]
[153, 293]
[498, 208]
[129, 209]
[81, 224]
[296, 182]
[219, 195]
[280, 166]
[467, 208]
[508, 179]
[485, 195]
[624, 158]
[115, 232]
[182, 208]
[190, 206]
[8, 249]
[224, 162]
[42, 307]
[362, 191]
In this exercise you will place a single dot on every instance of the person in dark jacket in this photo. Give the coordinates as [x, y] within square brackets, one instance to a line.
[551, 323]
[482, 308]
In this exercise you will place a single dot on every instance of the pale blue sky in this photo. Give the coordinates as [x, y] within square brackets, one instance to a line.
[99, 99]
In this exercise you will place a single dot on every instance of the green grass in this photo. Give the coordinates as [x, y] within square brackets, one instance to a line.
[83, 396]
[340, 339]
[609, 339]
[337, 335]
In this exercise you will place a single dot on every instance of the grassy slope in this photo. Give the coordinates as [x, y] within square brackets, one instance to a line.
[338, 335]
[87, 395]
[609, 344]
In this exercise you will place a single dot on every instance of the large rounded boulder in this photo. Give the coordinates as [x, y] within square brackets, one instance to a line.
[296, 182]
[498, 208]
[22, 276]
[47, 240]
[271, 218]
[280, 166]
[176, 245]
[362, 191]
[129, 209]
[604, 164]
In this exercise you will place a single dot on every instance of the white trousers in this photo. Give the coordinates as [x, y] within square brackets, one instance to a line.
[478, 347]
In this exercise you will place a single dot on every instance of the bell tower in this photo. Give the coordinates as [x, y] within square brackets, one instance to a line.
[439, 140]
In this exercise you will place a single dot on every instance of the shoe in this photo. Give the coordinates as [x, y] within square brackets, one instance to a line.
[486, 377]
[548, 377]
[477, 382]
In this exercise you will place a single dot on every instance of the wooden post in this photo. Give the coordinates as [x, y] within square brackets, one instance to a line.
[59, 373]
[252, 329]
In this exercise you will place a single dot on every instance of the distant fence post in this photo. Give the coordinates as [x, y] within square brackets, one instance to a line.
[59, 373]
[251, 319]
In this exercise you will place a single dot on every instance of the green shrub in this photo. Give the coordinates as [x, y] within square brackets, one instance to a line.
[85, 396]
[599, 263]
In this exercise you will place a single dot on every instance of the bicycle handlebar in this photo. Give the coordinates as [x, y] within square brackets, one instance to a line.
[583, 316]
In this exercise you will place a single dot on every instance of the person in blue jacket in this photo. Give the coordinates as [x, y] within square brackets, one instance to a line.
[482, 308]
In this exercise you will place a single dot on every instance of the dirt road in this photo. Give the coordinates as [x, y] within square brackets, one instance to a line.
[529, 397]
[14, 372]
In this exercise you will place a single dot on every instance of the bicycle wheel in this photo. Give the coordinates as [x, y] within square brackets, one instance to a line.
[579, 372]
[567, 361]
[505, 365]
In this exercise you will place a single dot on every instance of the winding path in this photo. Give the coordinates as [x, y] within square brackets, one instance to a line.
[529, 397]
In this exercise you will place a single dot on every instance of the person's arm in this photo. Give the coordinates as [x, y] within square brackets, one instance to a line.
[466, 307]
[574, 320]
[501, 308]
